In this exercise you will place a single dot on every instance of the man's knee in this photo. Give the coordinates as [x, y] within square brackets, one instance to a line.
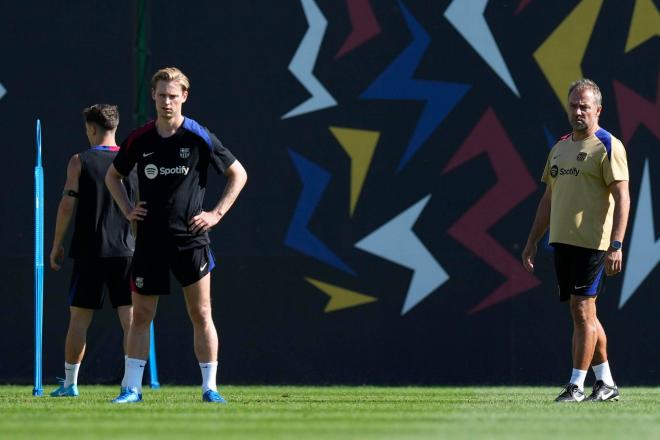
[78, 326]
[80, 319]
[201, 314]
[583, 312]
[143, 313]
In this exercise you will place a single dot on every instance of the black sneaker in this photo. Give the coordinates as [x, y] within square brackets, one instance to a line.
[604, 393]
[571, 393]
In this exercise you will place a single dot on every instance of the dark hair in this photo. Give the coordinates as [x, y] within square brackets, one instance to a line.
[104, 115]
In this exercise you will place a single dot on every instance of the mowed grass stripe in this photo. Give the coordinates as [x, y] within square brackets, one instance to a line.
[281, 412]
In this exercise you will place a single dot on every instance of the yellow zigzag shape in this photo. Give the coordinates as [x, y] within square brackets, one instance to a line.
[340, 298]
[360, 146]
[645, 24]
[561, 54]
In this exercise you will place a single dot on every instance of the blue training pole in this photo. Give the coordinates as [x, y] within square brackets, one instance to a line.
[38, 265]
[153, 368]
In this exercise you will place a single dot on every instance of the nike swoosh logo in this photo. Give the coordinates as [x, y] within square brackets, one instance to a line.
[607, 395]
[203, 267]
[147, 154]
[580, 287]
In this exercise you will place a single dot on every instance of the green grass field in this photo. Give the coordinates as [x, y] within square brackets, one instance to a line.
[261, 412]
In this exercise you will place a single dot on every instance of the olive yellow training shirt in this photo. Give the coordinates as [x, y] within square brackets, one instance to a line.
[579, 174]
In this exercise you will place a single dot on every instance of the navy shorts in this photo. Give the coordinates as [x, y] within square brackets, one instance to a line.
[150, 271]
[89, 277]
[580, 271]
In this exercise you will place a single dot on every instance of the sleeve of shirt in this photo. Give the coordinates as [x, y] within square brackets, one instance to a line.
[131, 185]
[545, 178]
[615, 165]
[126, 157]
[221, 157]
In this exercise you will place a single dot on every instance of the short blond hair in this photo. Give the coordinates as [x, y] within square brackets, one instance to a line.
[171, 74]
[587, 84]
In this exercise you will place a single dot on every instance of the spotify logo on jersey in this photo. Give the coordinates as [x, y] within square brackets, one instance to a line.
[151, 171]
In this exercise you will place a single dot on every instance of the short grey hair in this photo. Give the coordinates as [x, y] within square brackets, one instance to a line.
[587, 84]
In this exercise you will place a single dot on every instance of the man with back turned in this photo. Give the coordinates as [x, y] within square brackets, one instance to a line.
[102, 245]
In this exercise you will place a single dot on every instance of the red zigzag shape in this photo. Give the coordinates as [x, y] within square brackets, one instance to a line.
[635, 110]
[365, 26]
[514, 184]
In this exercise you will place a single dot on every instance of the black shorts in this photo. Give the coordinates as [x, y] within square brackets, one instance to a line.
[580, 271]
[91, 274]
[150, 271]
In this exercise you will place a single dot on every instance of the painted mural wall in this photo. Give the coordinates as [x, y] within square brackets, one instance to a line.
[394, 152]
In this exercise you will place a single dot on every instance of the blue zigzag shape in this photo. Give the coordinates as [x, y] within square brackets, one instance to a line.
[397, 83]
[315, 180]
[550, 138]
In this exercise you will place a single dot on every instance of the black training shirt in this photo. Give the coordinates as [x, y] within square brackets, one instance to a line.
[172, 175]
[101, 229]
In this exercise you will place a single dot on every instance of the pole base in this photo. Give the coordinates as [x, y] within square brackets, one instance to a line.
[38, 392]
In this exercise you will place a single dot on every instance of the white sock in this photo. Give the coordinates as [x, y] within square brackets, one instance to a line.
[578, 378]
[123, 380]
[71, 374]
[133, 370]
[209, 370]
[603, 373]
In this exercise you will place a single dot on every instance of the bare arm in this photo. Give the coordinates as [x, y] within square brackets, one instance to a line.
[236, 179]
[619, 190]
[65, 211]
[540, 225]
[113, 180]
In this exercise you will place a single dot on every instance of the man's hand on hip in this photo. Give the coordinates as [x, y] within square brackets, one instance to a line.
[204, 221]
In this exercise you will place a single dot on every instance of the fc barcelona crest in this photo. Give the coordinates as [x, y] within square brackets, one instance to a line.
[184, 153]
[581, 156]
